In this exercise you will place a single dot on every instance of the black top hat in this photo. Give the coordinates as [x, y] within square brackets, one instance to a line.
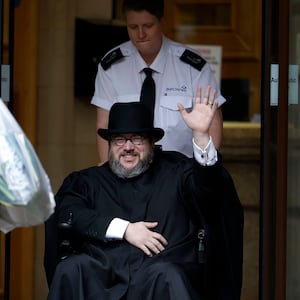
[130, 117]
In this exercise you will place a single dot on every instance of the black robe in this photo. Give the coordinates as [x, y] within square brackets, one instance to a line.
[173, 192]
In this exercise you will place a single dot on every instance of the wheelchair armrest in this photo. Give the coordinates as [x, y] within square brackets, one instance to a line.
[65, 247]
[64, 226]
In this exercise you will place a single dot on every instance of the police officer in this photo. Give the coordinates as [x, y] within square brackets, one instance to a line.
[177, 72]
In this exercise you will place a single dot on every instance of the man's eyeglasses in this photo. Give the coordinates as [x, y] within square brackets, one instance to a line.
[121, 140]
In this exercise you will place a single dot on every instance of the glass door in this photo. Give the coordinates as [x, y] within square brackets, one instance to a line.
[293, 162]
[280, 183]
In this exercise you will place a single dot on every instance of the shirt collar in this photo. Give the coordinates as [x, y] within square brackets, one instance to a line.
[159, 62]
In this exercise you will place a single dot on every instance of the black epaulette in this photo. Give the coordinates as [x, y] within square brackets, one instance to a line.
[193, 59]
[111, 58]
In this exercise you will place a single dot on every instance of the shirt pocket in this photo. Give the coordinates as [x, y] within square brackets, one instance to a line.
[169, 117]
[170, 102]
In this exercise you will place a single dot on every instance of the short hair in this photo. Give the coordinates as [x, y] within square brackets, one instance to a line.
[154, 7]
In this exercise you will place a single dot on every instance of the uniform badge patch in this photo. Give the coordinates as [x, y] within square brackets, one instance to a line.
[193, 59]
[111, 58]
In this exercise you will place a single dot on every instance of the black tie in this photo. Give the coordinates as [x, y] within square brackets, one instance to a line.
[148, 91]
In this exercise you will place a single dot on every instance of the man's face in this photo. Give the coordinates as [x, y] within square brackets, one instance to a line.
[130, 154]
[145, 32]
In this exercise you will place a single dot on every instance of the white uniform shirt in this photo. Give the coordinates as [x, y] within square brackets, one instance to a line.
[176, 82]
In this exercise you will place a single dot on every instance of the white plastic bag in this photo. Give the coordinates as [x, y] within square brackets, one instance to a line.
[26, 197]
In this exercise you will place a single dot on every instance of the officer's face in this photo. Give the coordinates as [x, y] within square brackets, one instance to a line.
[145, 32]
[130, 152]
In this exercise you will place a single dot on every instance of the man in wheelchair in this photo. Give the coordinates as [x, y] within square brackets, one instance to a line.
[148, 224]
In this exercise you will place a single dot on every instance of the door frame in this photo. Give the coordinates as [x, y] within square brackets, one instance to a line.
[274, 145]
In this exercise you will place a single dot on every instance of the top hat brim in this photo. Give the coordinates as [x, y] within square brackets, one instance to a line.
[155, 133]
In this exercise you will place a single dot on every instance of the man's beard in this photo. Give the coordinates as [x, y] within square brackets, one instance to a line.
[121, 172]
